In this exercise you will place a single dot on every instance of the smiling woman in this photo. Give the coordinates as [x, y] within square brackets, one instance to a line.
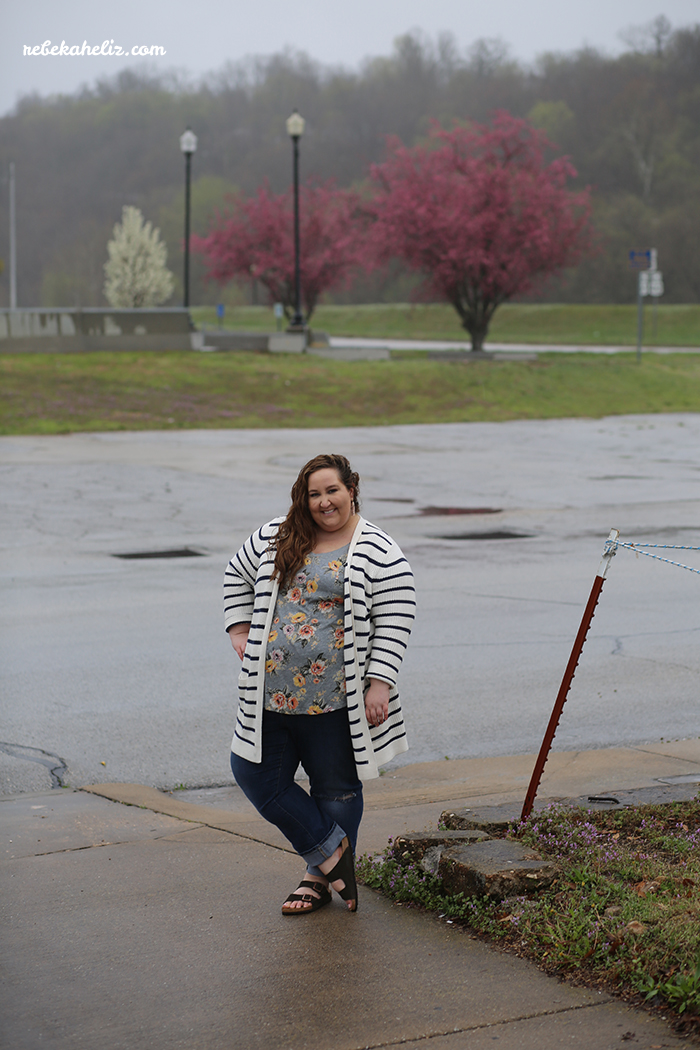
[319, 606]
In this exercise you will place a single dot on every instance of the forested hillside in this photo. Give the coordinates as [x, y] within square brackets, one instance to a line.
[631, 125]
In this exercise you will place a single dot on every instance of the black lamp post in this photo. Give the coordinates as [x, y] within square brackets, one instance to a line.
[188, 145]
[295, 129]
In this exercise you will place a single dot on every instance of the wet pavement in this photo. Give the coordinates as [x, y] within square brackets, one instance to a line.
[117, 669]
[144, 911]
[134, 919]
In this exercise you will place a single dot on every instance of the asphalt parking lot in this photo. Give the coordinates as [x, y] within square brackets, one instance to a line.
[118, 669]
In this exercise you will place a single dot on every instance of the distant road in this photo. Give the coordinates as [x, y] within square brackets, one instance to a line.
[437, 344]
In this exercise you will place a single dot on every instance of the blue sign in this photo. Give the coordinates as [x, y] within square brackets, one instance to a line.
[641, 259]
[220, 310]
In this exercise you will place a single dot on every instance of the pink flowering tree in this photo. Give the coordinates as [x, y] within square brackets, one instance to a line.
[256, 239]
[481, 213]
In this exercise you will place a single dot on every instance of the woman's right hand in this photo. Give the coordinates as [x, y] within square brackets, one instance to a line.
[239, 637]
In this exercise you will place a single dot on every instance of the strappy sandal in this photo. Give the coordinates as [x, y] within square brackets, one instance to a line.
[345, 870]
[313, 902]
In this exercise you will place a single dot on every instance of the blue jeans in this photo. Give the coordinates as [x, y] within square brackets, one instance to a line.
[315, 823]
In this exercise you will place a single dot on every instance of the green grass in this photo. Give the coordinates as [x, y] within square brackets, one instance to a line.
[624, 913]
[58, 393]
[513, 323]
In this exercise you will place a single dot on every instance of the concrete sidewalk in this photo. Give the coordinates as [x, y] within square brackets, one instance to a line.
[157, 924]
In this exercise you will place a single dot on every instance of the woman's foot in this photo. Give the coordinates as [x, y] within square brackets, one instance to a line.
[339, 869]
[311, 894]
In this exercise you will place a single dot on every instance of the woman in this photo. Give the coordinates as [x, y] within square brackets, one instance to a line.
[319, 606]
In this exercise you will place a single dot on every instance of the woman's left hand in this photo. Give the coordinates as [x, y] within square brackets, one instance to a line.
[377, 702]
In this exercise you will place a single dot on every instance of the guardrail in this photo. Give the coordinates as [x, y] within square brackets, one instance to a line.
[66, 330]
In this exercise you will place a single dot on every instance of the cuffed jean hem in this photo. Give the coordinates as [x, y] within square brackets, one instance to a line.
[324, 850]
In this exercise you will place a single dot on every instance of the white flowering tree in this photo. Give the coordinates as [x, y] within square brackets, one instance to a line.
[135, 273]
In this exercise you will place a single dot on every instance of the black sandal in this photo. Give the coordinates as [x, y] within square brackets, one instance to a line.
[345, 870]
[324, 897]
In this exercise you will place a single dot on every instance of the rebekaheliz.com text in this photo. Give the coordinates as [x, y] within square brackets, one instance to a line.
[107, 47]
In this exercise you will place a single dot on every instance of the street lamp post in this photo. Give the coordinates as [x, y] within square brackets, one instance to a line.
[188, 145]
[295, 129]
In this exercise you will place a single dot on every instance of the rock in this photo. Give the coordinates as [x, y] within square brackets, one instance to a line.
[287, 343]
[413, 847]
[246, 341]
[494, 820]
[430, 861]
[318, 339]
[495, 868]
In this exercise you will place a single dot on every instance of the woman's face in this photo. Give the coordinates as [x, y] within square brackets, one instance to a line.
[330, 503]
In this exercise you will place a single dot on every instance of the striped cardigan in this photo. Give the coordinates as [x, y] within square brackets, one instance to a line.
[379, 607]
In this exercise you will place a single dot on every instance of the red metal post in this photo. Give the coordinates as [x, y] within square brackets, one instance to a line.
[568, 676]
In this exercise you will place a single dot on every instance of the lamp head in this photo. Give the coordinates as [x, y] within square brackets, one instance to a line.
[295, 125]
[188, 141]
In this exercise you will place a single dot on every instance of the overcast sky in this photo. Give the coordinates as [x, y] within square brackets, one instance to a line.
[200, 35]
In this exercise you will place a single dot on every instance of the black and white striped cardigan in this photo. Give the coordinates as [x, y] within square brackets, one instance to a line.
[379, 608]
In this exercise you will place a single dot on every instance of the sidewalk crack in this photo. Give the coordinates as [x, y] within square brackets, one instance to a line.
[102, 845]
[485, 1025]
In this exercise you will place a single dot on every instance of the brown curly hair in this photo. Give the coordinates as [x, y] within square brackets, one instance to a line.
[297, 533]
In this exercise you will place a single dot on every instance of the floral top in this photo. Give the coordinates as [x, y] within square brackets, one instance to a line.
[304, 670]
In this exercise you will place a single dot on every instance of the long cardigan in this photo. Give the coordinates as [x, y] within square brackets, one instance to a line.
[379, 608]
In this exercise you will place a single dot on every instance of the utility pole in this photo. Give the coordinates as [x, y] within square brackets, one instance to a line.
[13, 241]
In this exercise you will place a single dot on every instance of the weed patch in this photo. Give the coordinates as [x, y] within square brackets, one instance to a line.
[623, 915]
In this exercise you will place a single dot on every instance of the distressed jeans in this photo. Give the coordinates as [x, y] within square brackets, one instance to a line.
[316, 822]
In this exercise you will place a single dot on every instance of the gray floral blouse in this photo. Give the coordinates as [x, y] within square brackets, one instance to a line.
[304, 671]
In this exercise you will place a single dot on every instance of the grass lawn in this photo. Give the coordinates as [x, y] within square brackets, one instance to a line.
[587, 324]
[624, 913]
[58, 393]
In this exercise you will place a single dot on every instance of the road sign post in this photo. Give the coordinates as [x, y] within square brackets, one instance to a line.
[656, 290]
[644, 262]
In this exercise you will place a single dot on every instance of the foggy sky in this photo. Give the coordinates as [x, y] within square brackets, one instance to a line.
[201, 36]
